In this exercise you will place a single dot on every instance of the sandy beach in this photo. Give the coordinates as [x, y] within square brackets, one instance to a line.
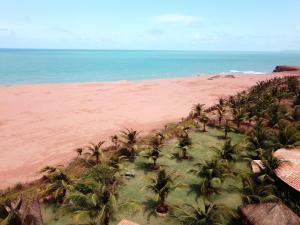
[41, 124]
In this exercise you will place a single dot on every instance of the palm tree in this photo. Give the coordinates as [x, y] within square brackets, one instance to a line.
[227, 128]
[205, 120]
[238, 117]
[253, 193]
[99, 206]
[58, 182]
[296, 114]
[221, 101]
[259, 138]
[160, 137]
[184, 143]
[96, 151]
[162, 186]
[272, 163]
[129, 139]
[292, 84]
[274, 115]
[197, 110]
[211, 169]
[102, 173]
[115, 141]
[154, 152]
[228, 151]
[79, 152]
[287, 137]
[208, 214]
[221, 112]
[212, 174]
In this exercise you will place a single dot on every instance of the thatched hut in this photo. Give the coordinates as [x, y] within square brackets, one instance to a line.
[257, 166]
[126, 222]
[289, 172]
[275, 213]
[31, 212]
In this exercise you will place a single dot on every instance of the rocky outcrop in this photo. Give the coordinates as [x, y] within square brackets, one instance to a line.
[286, 68]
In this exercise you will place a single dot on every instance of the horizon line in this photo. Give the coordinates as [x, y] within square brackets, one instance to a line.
[175, 50]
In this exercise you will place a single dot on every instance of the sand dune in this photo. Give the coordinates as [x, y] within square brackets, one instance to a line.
[42, 124]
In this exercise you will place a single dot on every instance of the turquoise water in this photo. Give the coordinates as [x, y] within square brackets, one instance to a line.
[62, 66]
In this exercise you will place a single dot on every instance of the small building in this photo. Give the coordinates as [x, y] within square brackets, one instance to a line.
[126, 222]
[289, 172]
[257, 166]
[275, 213]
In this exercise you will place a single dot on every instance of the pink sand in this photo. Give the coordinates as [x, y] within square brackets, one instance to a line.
[42, 124]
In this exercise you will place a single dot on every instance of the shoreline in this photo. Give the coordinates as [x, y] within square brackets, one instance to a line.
[236, 73]
[41, 124]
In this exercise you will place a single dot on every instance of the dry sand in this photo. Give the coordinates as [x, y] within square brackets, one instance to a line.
[42, 124]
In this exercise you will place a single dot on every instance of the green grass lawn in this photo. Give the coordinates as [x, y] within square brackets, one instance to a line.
[133, 188]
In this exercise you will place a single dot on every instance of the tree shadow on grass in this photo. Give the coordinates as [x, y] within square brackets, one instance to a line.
[147, 167]
[195, 188]
[178, 158]
[149, 208]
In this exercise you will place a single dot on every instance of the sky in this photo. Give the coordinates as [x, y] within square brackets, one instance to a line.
[235, 25]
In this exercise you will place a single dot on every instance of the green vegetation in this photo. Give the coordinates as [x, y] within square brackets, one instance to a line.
[194, 172]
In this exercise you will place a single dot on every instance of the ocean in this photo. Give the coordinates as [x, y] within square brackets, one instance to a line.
[25, 66]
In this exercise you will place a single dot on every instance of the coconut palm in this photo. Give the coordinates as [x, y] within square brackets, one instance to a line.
[238, 117]
[208, 214]
[274, 115]
[102, 173]
[259, 138]
[295, 117]
[197, 110]
[79, 152]
[115, 141]
[271, 163]
[227, 128]
[204, 119]
[221, 112]
[211, 169]
[160, 137]
[293, 84]
[58, 182]
[99, 206]
[129, 140]
[162, 186]
[212, 174]
[227, 151]
[253, 193]
[154, 153]
[221, 101]
[297, 99]
[96, 152]
[287, 137]
[184, 144]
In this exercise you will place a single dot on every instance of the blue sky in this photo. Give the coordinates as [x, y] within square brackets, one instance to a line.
[153, 24]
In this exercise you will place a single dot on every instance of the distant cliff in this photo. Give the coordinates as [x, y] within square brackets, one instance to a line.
[286, 68]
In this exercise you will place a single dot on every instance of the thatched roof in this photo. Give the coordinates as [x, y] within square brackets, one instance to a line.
[275, 213]
[289, 172]
[127, 222]
[31, 212]
[257, 166]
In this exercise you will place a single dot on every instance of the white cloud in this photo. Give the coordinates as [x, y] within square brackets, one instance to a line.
[298, 27]
[175, 18]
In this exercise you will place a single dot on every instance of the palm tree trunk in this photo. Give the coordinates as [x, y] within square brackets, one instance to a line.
[154, 163]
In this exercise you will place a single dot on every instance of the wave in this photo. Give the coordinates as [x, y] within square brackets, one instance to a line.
[244, 72]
